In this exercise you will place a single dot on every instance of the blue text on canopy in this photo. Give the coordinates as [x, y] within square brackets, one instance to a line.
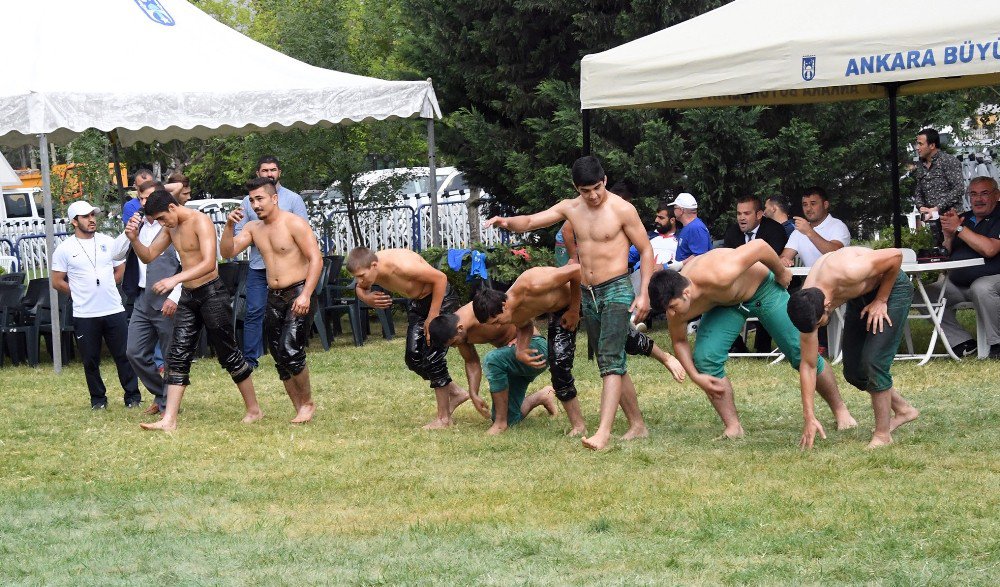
[967, 52]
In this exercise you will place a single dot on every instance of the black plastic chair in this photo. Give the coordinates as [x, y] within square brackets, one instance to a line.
[16, 277]
[14, 332]
[41, 327]
[334, 303]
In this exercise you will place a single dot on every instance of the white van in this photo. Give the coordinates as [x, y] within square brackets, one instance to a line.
[411, 187]
[21, 204]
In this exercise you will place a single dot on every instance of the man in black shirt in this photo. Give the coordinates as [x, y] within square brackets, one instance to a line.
[752, 224]
[973, 235]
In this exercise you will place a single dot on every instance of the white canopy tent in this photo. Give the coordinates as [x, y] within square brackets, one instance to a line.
[780, 52]
[66, 78]
[7, 175]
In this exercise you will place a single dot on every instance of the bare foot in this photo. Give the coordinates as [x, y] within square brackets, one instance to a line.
[880, 440]
[596, 443]
[457, 397]
[161, 425]
[252, 417]
[437, 424]
[496, 429]
[305, 413]
[577, 431]
[636, 432]
[731, 433]
[902, 417]
[845, 421]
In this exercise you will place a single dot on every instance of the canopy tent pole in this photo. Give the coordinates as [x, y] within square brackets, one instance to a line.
[50, 247]
[432, 168]
[113, 137]
[897, 235]
[586, 132]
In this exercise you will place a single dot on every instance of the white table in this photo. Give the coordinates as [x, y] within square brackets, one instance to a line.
[934, 310]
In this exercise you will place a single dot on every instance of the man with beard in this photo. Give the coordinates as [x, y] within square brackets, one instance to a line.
[816, 234]
[294, 263]
[84, 267]
[940, 184]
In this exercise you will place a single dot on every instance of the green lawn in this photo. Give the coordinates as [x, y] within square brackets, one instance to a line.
[362, 496]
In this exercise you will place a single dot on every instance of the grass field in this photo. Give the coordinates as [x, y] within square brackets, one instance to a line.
[362, 496]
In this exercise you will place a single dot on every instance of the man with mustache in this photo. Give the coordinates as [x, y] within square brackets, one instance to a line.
[84, 267]
[294, 263]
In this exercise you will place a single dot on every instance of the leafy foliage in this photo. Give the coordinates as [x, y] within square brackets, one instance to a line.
[503, 265]
[509, 83]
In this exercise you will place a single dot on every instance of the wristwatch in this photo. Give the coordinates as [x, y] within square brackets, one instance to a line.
[959, 229]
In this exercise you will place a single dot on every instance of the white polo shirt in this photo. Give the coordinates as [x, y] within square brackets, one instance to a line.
[831, 229]
[664, 248]
[85, 262]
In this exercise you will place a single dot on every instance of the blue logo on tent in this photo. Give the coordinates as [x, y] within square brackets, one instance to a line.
[156, 12]
[809, 68]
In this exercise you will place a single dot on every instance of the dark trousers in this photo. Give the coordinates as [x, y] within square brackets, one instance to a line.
[113, 329]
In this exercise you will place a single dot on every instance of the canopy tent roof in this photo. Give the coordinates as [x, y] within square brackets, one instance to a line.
[65, 75]
[7, 175]
[780, 52]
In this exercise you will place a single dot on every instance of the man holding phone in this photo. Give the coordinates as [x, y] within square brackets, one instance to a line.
[940, 185]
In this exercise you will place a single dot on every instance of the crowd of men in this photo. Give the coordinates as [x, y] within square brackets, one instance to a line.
[612, 273]
[167, 262]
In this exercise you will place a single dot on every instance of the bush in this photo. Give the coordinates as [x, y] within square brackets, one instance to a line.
[502, 264]
[921, 239]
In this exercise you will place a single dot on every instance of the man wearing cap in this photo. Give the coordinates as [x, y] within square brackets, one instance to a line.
[693, 239]
[83, 267]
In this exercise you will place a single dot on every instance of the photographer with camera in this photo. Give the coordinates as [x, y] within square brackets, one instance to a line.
[969, 236]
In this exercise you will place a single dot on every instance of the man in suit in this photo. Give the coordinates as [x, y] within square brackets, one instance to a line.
[751, 224]
[152, 315]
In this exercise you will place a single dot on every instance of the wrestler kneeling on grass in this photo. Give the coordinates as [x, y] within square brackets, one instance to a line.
[294, 263]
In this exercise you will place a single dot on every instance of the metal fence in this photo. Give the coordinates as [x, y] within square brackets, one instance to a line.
[380, 228]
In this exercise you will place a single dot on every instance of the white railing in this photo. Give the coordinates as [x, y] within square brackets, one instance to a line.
[380, 228]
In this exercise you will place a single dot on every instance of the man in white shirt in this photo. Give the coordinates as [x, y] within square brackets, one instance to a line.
[663, 241]
[83, 266]
[152, 315]
[816, 234]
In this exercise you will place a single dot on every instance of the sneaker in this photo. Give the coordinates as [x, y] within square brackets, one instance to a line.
[133, 404]
[965, 349]
[99, 407]
[994, 352]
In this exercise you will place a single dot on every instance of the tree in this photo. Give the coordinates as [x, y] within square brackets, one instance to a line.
[508, 80]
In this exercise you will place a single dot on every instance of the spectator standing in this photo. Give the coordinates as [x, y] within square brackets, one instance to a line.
[776, 208]
[940, 184]
[132, 206]
[253, 323]
[184, 195]
[975, 234]
[83, 267]
[693, 239]
[817, 233]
